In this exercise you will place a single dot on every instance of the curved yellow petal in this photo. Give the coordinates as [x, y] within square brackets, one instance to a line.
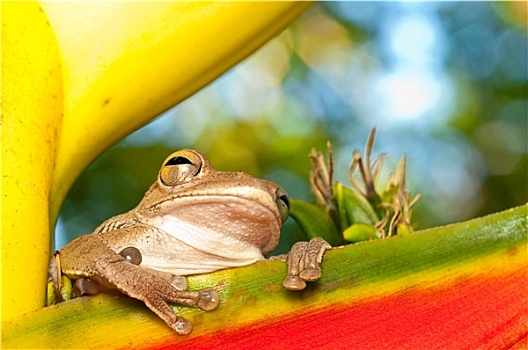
[125, 63]
[32, 100]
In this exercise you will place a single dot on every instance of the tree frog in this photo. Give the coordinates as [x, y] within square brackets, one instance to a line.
[193, 219]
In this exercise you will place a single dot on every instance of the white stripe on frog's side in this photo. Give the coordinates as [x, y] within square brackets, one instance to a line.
[182, 248]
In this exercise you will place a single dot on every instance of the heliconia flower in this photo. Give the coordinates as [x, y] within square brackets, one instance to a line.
[77, 77]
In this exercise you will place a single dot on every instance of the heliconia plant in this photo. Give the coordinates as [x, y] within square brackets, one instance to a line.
[71, 87]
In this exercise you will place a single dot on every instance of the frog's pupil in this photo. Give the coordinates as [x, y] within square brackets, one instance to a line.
[178, 161]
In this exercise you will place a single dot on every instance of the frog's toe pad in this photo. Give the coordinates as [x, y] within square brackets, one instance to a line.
[179, 283]
[181, 326]
[209, 299]
[293, 282]
[85, 286]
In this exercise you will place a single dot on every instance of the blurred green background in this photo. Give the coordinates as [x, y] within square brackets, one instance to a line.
[445, 83]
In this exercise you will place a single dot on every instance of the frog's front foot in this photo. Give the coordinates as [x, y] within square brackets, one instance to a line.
[304, 263]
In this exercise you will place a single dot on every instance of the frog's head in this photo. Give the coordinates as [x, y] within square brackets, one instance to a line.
[234, 203]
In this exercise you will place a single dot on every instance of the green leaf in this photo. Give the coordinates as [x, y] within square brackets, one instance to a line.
[353, 207]
[360, 232]
[314, 221]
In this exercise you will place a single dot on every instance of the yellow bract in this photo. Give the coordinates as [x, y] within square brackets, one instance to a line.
[77, 77]
[32, 99]
[125, 63]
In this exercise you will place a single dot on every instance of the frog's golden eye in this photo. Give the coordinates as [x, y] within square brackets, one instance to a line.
[283, 203]
[179, 167]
